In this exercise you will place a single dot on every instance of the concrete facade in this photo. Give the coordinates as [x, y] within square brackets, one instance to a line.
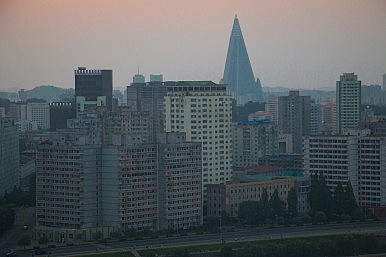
[359, 159]
[295, 117]
[228, 197]
[253, 140]
[348, 102]
[202, 110]
[9, 156]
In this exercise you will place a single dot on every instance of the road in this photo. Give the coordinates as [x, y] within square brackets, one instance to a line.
[24, 216]
[250, 234]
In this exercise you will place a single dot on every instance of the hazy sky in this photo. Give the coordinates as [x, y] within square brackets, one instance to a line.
[294, 43]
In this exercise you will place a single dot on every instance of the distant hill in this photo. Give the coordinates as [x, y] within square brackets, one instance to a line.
[49, 93]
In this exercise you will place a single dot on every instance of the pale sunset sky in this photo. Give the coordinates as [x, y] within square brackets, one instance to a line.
[292, 43]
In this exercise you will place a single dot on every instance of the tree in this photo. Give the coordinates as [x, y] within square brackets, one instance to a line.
[349, 201]
[292, 201]
[249, 212]
[7, 218]
[339, 199]
[320, 217]
[212, 223]
[264, 207]
[277, 205]
[43, 239]
[321, 199]
[97, 235]
[24, 241]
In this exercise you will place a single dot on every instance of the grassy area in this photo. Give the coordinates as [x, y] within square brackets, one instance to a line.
[333, 246]
[112, 254]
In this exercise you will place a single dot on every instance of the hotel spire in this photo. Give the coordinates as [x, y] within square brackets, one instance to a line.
[238, 74]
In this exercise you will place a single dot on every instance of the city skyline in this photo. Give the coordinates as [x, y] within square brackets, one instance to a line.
[299, 44]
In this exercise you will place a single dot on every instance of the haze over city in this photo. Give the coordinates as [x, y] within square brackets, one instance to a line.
[299, 44]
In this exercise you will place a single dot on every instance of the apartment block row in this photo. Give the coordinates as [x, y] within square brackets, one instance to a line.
[356, 157]
[81, 185]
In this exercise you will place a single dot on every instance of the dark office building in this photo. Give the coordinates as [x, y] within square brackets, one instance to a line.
[294, 117]
[146, 96]
[59, 113]
[94, 83]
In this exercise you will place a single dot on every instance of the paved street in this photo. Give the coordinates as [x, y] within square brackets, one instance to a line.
[241, 235]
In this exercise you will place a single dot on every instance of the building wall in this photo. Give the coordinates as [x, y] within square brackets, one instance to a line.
[39, 113]
[66, 186]
[329, 117]
[203, 111]
[272, 107]
[295, 117]
[9, 156]
[348, 102]
[84, 185]
[180, 186]
[228, 197]
[252, 141]
[316, 119]
[287, 161]
[60, 112]
[92, 84]
[356, 159]
[2, 112]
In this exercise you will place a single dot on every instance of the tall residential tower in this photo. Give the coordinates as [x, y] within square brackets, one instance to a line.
[348, 102]
[295, 117]
[202, 109]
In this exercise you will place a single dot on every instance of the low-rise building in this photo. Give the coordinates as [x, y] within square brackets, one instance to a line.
[228, 197]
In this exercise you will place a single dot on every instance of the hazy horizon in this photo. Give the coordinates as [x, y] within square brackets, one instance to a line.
[296, 44]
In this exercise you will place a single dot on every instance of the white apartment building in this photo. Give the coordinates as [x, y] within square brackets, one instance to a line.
[202, 109]
[359, 159]
[39, 113]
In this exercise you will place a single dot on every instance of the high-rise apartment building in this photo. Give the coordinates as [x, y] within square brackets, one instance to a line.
[384, 82]
[272, 107]
[359, 159]
[316, 119]
[138, 127]
[92, 84]
[84, 183]
[238, 73]
[371, 95]
[202, 110]
[18, 111]
[295, 117]
[2, 112]
[9, 156]
[146, 96]
[253, 140]
[39, 112]
[328, 117]
[348, 102]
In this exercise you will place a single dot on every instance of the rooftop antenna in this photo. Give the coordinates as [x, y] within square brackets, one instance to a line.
[138, 69]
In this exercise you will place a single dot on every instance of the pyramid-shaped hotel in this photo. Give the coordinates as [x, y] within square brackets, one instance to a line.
[238, 74]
